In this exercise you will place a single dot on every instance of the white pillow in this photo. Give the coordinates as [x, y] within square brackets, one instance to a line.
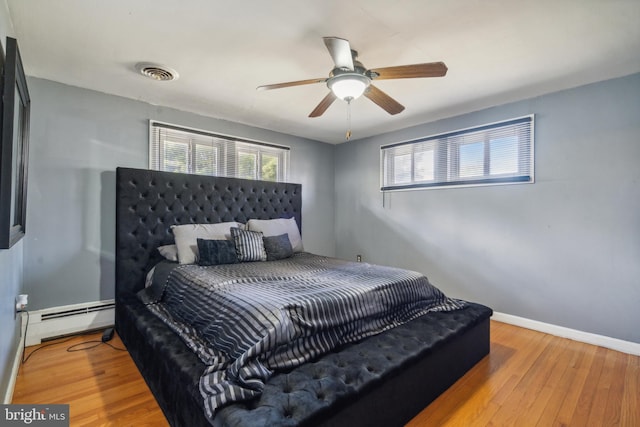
[276, 227]
[186, 237]
[169, 252]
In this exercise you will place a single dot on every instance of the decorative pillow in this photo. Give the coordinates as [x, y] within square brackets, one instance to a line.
[276, 227]
[216, 252]
[169, 252]
[249, 245]
[277, 247]
[187, 235]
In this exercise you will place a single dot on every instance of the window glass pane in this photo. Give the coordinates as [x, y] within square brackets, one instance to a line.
[176, 156]
[176, 149]
[385, 168]
[495, 153]
[503, 156]
[206, 158]
[424, 166]
[402, 169]
[269, 167]
[471, 160]
[247, 165]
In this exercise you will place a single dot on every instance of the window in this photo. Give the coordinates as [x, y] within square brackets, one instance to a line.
[177, 149]
[496, 153]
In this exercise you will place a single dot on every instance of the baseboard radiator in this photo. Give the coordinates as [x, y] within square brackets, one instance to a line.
[66, 320]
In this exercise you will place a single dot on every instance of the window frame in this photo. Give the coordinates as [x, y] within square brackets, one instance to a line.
[226, 151]
[446, 154]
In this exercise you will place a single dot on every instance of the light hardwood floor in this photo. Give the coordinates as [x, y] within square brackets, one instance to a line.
[101, 385]
[529, 379]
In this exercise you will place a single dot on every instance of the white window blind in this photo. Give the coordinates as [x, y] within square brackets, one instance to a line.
[178, 149]
[496, 153]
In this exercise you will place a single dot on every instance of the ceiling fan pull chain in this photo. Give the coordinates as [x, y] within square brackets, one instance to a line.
[348, 136]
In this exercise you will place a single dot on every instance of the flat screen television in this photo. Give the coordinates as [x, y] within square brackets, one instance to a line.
[14, 146]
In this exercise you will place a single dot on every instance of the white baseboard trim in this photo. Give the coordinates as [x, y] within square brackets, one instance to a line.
[8, 396]
[69, 319]
[58, 321]
[560, 331]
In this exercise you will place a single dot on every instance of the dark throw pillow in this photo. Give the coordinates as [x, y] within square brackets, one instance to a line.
[216, 252]
[277, 247]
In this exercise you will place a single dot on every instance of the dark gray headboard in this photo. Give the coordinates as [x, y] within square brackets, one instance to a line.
[149, 202]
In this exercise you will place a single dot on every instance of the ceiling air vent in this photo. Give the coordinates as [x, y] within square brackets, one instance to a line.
[156, 71]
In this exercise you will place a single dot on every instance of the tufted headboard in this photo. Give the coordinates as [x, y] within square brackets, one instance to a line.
[149, 202]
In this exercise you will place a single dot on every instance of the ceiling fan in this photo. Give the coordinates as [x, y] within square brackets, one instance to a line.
[349, 79]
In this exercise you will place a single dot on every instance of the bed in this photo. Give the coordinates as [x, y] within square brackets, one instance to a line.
[384, 379]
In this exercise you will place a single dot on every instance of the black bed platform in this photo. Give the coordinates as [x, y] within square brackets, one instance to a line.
[384, 380]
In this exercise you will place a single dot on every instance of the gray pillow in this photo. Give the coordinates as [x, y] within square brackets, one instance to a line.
[277, 247]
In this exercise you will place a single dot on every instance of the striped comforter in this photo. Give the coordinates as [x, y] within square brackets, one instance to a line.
[245, 320]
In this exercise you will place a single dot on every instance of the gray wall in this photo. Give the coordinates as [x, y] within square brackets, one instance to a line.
[78, 138]
[10, 268]
[10, 288]
[565, 250]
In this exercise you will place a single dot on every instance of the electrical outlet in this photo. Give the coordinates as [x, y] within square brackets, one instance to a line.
[21, 302]
[359, 258]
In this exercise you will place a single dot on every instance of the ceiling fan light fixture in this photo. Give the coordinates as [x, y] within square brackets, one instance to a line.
[348, 86]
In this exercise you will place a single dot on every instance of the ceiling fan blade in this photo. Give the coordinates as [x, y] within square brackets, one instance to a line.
[289, 84]
[324, 104]
[430, 69]
[383, 100]
[340, 51]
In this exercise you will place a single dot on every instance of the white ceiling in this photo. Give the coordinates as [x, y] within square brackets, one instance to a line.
[496, 50]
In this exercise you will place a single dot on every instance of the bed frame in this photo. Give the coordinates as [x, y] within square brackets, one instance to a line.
[438, 348]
